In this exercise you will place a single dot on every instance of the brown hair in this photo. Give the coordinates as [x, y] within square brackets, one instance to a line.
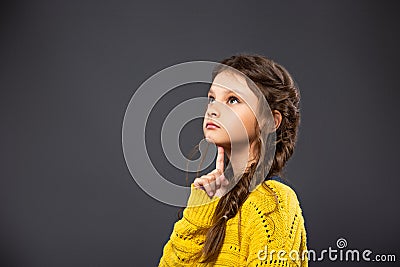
[282, 95]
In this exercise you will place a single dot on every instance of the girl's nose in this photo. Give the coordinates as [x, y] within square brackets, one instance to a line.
[212, 112]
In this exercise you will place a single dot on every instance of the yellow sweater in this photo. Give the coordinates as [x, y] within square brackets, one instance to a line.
[278, 239]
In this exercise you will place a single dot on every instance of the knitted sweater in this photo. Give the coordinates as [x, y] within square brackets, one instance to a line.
[278, 239]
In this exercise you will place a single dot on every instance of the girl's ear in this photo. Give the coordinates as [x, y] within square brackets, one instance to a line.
[277, 118]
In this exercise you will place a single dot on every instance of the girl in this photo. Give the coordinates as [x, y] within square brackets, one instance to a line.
[245, 214]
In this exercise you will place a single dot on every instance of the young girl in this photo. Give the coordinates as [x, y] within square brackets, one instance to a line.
[245, 214]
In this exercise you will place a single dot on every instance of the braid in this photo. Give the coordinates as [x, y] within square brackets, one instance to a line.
[282, 95]
[228, 206]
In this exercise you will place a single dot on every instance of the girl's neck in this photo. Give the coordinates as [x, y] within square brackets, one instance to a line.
[243, 157]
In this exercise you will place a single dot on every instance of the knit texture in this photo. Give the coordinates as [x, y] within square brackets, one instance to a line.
[276, 239]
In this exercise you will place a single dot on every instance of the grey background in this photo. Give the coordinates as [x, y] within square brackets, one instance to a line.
[69, 69]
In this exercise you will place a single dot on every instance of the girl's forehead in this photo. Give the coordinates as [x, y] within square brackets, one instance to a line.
[229, 82]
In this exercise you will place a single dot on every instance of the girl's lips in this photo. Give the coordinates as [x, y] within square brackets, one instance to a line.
[211, 125]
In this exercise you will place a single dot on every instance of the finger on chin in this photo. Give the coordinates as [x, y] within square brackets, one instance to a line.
[224, 181]
[218, 182]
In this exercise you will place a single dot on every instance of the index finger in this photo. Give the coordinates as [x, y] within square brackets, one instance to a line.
[219, 164]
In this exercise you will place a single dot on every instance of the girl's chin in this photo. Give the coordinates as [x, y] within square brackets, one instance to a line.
[211, 140]
[217, 142]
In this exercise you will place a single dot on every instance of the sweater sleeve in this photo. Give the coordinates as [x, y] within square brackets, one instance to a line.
[186, 239]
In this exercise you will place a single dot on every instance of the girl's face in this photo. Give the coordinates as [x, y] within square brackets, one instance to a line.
[230, 107]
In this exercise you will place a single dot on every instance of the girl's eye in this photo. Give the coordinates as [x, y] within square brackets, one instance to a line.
[232, 98]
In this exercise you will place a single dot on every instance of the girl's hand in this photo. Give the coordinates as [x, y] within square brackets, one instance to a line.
[215, 182]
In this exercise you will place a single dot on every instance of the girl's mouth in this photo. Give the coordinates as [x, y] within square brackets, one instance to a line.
[211, 125]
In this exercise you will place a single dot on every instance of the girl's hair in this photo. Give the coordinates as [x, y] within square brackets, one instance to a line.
[282, 95]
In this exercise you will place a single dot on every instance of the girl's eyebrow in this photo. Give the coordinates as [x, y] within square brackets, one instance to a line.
[226, 91]
[242, 96]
